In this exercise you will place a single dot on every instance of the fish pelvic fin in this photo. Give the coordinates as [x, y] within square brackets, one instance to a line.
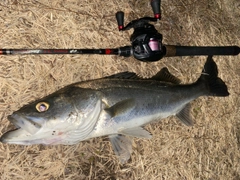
[184, 115]
[215, 86]
[122, 146]
[122, 142]
[136, 132]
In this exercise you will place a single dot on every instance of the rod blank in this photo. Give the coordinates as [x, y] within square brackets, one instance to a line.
[58, 51]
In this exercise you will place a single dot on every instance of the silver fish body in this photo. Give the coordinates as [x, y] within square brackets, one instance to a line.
[117, 106]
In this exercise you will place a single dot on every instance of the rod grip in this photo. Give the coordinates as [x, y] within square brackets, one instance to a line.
[120, 20]
[201, 51]
[156, 8]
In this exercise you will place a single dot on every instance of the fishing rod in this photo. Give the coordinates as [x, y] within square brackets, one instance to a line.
[146, 43]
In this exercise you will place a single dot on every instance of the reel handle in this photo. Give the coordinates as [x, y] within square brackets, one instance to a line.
[156, 8]
[120, 20]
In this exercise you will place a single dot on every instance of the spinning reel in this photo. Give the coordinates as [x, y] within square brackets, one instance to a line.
[146, 43]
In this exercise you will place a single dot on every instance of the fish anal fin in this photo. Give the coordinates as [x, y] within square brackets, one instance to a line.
[184, 115]
[166, 76]
[121, 107]
[122, 146]
[136, 132]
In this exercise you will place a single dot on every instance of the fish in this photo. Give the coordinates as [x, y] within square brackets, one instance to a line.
[117, 106]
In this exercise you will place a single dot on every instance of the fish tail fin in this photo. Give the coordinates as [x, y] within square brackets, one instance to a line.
[214, 85]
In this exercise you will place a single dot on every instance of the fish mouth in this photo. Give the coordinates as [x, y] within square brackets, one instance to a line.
[25, 127]
[25, 123]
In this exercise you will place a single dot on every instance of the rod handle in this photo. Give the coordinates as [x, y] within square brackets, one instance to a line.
[120, 20]
[156, 8]
[201, 51]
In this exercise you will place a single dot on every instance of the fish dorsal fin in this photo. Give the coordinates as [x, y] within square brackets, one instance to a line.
[163, 75]
[122, 146]
[121, 107]
[136, 132]
[184, 115]
[124, 75]
[166, 76]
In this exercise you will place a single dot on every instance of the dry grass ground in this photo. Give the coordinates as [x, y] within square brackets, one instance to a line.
[209, 150]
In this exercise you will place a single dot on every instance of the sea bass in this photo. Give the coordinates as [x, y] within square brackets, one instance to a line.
[117, 106]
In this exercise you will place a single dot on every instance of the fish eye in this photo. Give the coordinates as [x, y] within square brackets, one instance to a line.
[42, 106]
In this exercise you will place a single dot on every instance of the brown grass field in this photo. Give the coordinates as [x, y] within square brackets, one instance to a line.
[210, 150]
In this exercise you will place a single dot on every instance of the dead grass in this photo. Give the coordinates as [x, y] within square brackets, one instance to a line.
[209, 150]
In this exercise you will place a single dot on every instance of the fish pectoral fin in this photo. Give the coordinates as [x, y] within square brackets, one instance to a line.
[166, 76]
[122, 146]
[184, 115]
[137, 132]
[121, 107]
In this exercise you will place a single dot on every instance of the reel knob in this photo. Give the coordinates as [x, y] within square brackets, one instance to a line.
[156, 8]
[120, 20]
